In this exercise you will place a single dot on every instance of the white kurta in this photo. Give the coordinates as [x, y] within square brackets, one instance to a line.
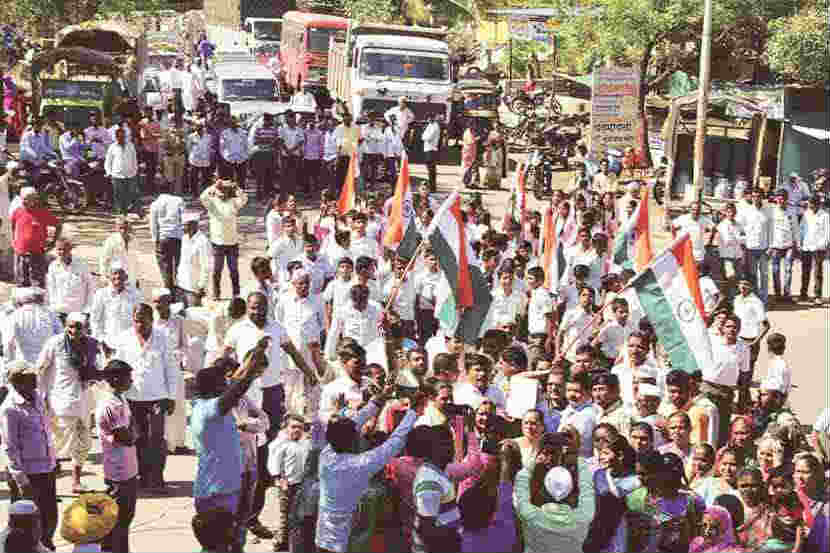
[175, 425]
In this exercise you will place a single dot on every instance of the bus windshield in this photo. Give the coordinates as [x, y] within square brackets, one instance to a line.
[235, 90]
[404, 65]
[318, 38]
[267, 30]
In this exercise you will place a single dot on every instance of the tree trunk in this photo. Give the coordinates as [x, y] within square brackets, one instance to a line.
[642, 138]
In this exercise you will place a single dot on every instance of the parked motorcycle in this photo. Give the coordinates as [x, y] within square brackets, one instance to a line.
[524, 103]
[561, 142]
[53, 183]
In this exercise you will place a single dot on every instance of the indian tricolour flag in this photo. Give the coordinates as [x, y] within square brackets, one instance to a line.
[669, 292]
[632, 245]
[401, 234]
[463, 297]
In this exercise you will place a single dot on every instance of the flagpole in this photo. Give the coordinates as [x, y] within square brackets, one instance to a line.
[594, 319]
[408, 268]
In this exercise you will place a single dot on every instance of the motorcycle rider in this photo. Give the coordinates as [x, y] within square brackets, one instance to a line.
[35, 149]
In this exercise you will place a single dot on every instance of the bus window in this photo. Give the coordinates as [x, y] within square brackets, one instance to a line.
[318, 39]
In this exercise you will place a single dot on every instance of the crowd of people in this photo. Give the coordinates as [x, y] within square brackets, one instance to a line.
[564, 427]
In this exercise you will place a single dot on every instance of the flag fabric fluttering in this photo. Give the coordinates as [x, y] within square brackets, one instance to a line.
[346, 201]
[669, 292]
[516, 203]
[401, 233]
[463, 297]
[632, 245]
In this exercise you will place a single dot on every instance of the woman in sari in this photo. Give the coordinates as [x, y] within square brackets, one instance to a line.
[755, 529]
[666, 514]
[717, 533]
[770, 454]
[725, 477]
[810, 485]
[469, 155]
[612, 483]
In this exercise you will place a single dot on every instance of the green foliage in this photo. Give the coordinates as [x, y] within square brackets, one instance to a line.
[371, 10]
[798, 47]
[44, 17]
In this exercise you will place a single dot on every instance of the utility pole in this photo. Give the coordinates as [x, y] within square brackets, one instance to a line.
[703, 97]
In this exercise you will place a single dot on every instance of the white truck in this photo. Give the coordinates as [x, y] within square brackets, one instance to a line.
[377, 64]
[263, 33]
[248, 87]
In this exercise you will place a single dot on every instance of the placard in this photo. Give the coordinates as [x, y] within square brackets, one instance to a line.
[522, 397]
[615, 123]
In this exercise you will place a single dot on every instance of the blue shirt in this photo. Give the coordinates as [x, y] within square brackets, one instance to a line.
[35, 147]
[218, 450]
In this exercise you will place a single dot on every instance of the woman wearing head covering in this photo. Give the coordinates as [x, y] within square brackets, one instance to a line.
[669, 513]
[724, 479]
[717, 533]
[548, 522]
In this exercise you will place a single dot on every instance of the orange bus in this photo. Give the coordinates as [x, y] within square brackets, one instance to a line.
[304, 46]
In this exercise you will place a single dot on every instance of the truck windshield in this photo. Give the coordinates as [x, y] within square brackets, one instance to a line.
[404, 65]
[267, 30]
[235, 90]
[318, 38]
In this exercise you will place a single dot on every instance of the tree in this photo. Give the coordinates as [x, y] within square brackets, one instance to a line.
[658, 37]
[798, 47]
[45, 17]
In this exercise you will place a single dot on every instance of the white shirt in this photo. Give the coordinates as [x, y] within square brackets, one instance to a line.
[431, 137]
[393, 143]
[373, 140]
[60, 382]
[199, 151]
[403, 118]
[755, 224]
[583, 417]
[121, 161]
[573, 322]
[69, 288]
[286, 249]
[194, 263]
[29, 327]
[626, 372]
[730, 236]
[465, 393]
[815, 230]
[112, 313]
[166, 217]
[750, 309]
[319, 270]
[361, 326]
[404, 302]
[243, 336]
[337, 293]
[426, 284]
[302, 318]
[577, 255]
[155, 372]
[710, 292]
[287, 458]
[329, 145]
[504, 307]
[291, 138]
[115, 248]
[784, 231]
[273, 227]
[696, 229]
[779, 369]
[540, 305]
[612, 336]
[363, 245]
[729, 361]
[342, 386]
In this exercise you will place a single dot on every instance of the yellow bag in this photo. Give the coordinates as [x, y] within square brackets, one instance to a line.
[89, 519]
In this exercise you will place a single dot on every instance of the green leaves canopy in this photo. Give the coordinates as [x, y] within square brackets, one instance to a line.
[798, 47]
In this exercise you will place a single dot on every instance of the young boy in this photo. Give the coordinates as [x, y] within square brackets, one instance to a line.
[778, 366]
[540, 304]
[573, 323]
[286, 463]
[337, 290]
[613, 334]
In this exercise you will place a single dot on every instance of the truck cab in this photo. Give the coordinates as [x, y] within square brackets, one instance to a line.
[380, 63]
[246, 86]
[262, 32]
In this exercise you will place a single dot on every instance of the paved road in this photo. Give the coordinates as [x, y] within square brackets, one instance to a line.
[163, 524]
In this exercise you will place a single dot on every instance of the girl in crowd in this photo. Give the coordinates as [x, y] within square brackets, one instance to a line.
[810, 485]
[612, 483]
[755, 529]
[716, 532]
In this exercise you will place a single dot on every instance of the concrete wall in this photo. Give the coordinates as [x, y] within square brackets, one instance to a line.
[222, 12]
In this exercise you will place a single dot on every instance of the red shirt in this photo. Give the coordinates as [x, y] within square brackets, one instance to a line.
[30, 231]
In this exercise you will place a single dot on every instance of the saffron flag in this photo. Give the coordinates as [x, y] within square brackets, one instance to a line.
[346, 201]
[632, 245]
[401, 212]
[669, 292]
[463, 297]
